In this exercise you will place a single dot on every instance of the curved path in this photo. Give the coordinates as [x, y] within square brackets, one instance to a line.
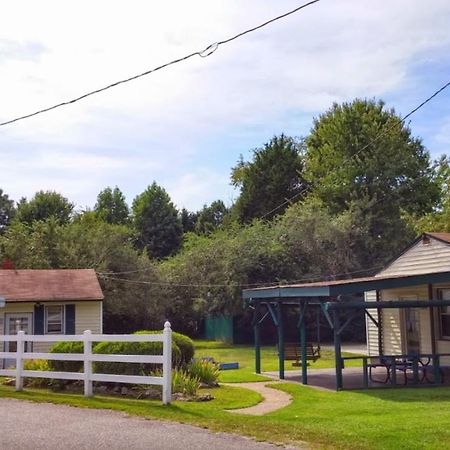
[273, 399]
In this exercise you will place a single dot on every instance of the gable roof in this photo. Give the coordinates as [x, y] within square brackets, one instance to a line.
[49, 285]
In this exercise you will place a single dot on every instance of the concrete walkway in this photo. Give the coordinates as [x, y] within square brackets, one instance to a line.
[273, 399]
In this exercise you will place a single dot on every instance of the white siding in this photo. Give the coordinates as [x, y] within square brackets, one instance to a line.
[393, 320]
[88, 316]
[371, 328]
[421, 258]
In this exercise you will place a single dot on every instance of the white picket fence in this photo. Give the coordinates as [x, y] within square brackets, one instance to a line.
[88, 358]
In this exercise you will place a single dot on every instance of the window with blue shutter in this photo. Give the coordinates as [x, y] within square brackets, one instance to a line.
[70, 319]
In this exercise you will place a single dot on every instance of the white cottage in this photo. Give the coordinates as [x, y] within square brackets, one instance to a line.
[413, 330]
[49, 302]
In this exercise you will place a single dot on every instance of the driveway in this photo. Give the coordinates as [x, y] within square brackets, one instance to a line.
[35, 426]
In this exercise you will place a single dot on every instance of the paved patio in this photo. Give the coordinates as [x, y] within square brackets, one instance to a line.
[352, 378]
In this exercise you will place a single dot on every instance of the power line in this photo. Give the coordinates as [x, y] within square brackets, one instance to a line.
[203, 54]
[215, 285]
[380, 134]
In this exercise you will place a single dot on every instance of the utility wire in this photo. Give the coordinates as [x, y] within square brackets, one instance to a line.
[203, 54]
[106, 276]
[380, 134]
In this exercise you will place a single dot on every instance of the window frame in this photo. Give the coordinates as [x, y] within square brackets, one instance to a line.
[442, 313]
[63, 316]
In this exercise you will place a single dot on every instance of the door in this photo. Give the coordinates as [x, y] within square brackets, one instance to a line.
[412, 331]
[15, 322]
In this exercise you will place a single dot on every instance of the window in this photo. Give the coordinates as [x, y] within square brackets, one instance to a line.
[444, 314]
[54, 319]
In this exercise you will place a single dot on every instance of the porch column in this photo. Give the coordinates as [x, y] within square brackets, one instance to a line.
[280, 329]
[432, 322]
[303, 344]
[337, 349]
[257, 338]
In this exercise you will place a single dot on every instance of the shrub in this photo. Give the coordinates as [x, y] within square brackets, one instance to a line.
[37, 364]
[186, 346]
[66, 366]
[207, 372]
[183, 342]
[131, 348]
[185, 383]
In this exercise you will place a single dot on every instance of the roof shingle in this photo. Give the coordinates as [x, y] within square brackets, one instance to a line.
[49, 285]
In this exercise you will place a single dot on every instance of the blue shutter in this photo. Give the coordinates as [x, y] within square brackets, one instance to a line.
[70, 319]
[38, 319]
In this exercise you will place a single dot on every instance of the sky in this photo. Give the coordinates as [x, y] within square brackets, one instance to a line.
[186, 126]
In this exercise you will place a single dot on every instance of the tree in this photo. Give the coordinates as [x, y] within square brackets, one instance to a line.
[188, 220]
[437, 220]
[271, 181]
[361, 157]
[43, 206]
[156, 222]
[211, 217]
[7, 210]
[111, 206]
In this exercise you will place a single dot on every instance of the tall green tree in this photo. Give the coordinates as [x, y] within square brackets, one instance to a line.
[7, 210]
[270, 181]
[157, 223]
[361, 157]
[211, 217]
[112, 207]
[188, 220]
[42, 206]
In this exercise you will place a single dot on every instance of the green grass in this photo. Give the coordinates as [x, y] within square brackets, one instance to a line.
[245, 356]
[376, 419]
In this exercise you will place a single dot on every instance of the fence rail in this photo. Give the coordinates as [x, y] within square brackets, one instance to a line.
[87, 357]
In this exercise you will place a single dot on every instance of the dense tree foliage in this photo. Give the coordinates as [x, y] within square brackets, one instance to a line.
[157, 222]
[112, 207]
[7, 210]
[188, 220]
[361, 157]
[42, 206]
[211, 217]
[270, 181]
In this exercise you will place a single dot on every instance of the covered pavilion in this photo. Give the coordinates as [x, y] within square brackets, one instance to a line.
[332, 297]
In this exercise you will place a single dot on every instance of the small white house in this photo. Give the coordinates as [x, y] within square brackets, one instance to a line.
[414, 330]
[49, 302]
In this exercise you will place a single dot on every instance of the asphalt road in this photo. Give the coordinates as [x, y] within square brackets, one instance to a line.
[34, 426]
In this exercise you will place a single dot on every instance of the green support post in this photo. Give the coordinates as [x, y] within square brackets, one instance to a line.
[337, 350]
[437, 370]
[365, 374]
[257, 340]
[303, 350]
[280, 340]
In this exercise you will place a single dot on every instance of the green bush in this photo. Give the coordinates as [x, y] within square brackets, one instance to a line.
[66, 366]
[132, 348]
[184, 383]
[183, 342]
[186, 346]
[37, 364]
[207, 372]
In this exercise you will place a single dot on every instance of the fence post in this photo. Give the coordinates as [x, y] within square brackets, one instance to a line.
[19, 359]
[87, 363]
[167, 364]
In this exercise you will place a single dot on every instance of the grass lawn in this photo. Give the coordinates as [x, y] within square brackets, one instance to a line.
[245, 356]
[376, 419]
